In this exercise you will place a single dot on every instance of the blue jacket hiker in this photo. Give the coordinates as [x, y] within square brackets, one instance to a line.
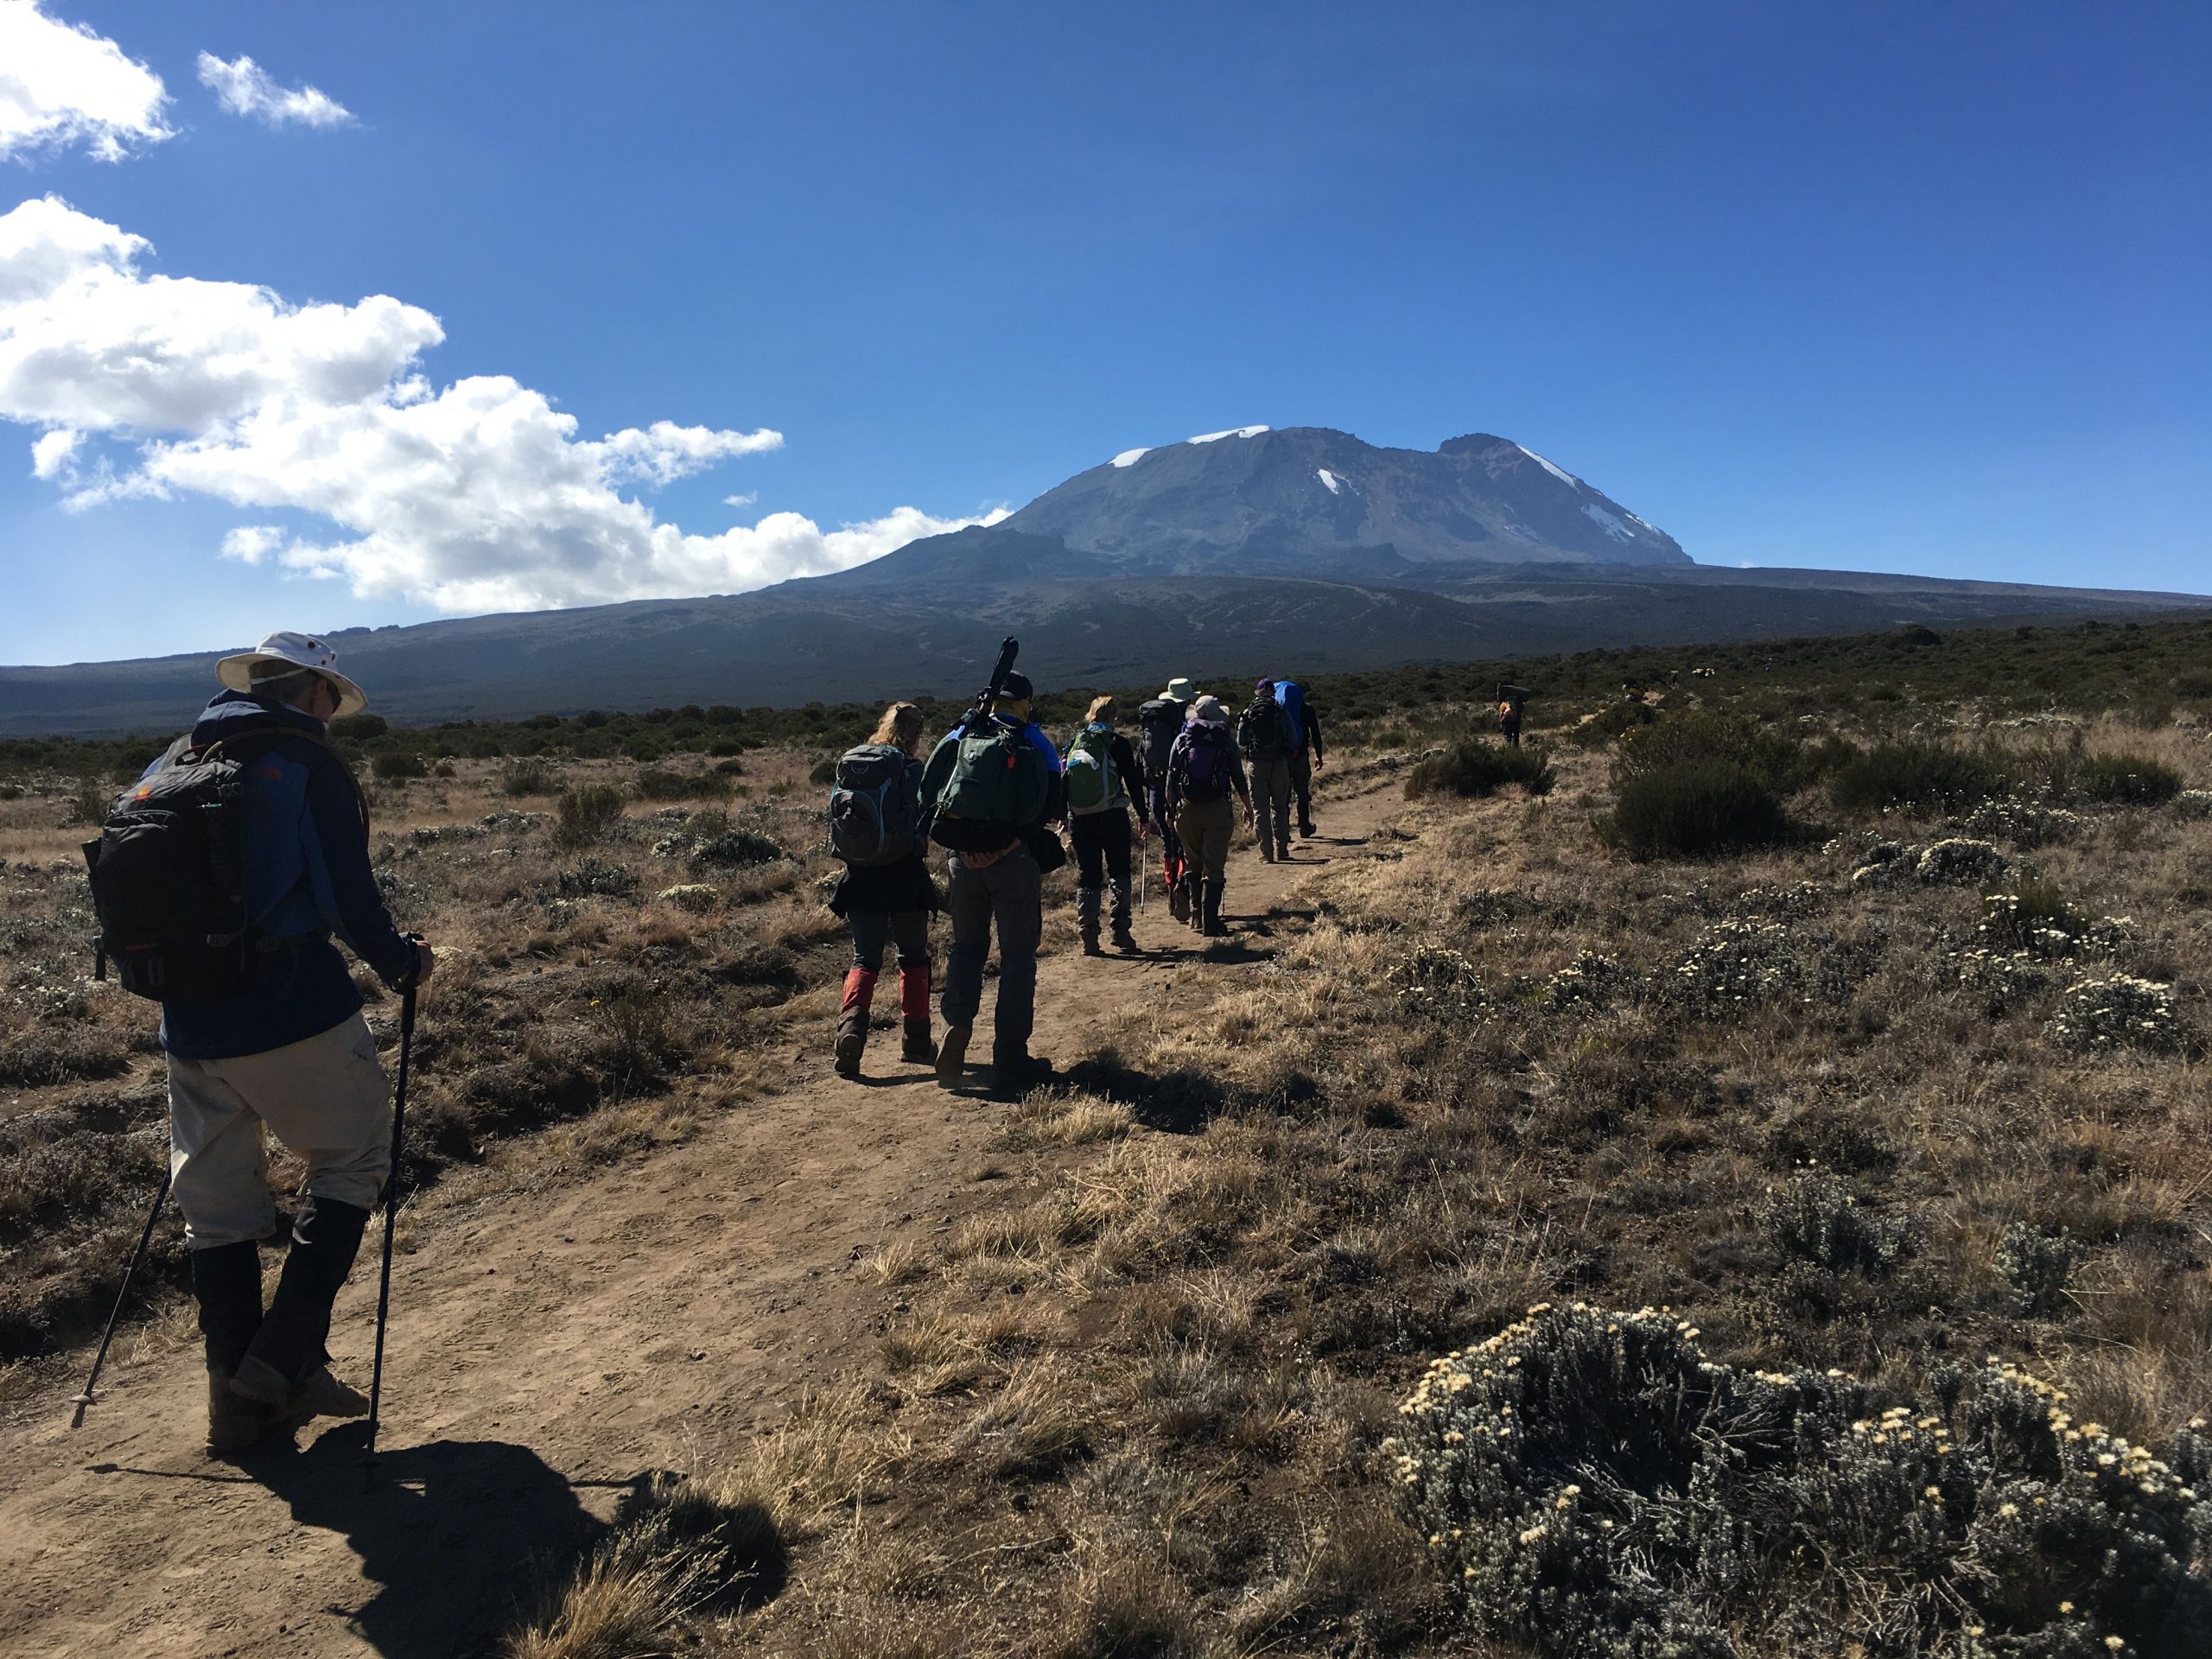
[987, 794]
[289, 1053]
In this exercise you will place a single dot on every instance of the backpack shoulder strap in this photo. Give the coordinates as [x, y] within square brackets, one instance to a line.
[264, 736]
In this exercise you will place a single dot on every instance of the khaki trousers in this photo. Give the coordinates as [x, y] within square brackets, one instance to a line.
[1206, 828]
[325, 1098]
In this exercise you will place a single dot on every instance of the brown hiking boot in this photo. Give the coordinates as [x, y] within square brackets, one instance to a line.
[1178, 902]
[852, 1041]
[316, 1394]
[952, 1057]
[235, 1424]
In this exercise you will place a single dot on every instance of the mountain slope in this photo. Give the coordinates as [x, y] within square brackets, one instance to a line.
[1257, 499]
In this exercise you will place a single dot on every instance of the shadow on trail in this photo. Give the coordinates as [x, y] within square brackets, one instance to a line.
[459, 1536]
[1181, 1101]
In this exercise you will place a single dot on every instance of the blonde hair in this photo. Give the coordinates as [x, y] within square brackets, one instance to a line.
[1102, 709]
[900, 726]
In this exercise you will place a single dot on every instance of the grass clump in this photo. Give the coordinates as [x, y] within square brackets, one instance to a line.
[1479, 768]
[662, 783]
[588, 814]
[1909, 772]
[1592, 1484]
[1693, 810]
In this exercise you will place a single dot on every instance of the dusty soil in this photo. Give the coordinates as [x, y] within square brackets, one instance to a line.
[547, 1351]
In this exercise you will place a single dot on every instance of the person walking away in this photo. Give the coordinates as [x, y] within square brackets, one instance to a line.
[990, 788]
[1202, 773]
[886, 892]
[1305, 759]
[1264, 734]
[268, 1036]
[1160, 722]
[1509, 723]
[1103, 784]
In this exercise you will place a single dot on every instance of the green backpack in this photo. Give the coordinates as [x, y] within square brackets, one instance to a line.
[1093, 781]
[995, 784]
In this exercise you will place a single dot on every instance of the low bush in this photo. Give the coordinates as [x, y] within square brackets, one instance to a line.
[396, 764]
[1687, 811]
[1913, 773]
[1698, 736]
[1610, 722]
[587, 814]
[1591, 1485]
[1478, 769]
[2127, 779]
[660, 784]
[527, 776]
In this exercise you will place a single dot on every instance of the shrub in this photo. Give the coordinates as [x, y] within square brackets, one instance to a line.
[359, 728]
[2037, 1263]
[1960, 861]
[2119, 1012]
[394, 765]
[88, 804]
[528, 776]
[1610, 722]
[824, 772]
[1697, 736]
[657, 783]
[1818, 1219]
[1910, 773]
[587, 814]
[2129, 779]
[737, 848]
[1687, 811]
[1478, 769]
[1592, 1485]
[596, 878]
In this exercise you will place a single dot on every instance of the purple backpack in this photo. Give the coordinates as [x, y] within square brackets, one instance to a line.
[1205, 762]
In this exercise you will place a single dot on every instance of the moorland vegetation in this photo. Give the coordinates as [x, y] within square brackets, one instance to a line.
[1733, 1181]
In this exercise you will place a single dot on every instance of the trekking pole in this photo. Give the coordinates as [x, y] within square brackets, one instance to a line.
[115, 1313]
[1144, 856]
[390, 1209]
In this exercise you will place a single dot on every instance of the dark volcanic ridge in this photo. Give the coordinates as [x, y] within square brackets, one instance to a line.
[1303, 551]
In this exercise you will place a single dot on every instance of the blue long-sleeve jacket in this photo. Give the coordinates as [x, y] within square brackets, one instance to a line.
[307, 879]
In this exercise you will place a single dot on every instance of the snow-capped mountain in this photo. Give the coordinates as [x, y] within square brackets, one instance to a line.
[1251, 497]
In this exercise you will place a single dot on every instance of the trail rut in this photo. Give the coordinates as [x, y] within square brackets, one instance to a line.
[547, 1351]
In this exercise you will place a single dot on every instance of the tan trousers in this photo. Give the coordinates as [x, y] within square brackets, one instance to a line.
[325, 1098]
[1206, 828]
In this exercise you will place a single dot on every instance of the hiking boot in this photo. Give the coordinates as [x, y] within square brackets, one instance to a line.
[1193, 909]
[1178, 902]
[1283, 852]
[1017, 1074]
[1267, 852]
[1086, 918]
[1305, 830]
[235, 1424]
[1123, 939]
[851, 1020]
[1117, 911]
[914, 1011]
[1211, 925]
[918, 1047]
[952, 1057]
[316, 1394]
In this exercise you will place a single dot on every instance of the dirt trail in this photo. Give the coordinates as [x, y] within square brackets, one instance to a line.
[547, 1351]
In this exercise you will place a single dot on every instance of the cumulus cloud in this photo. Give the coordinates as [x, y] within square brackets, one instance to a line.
[478, 496]
[61, 85]
[243, 87]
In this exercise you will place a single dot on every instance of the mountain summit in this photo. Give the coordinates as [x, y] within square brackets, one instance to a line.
[1313, 501]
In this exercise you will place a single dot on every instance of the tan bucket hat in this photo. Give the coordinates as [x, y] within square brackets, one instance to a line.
[300, 651]
[1180, 691]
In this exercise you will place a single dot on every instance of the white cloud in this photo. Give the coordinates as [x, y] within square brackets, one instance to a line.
[61, 85]
[479, 496]
[243, 87]
[53, 456]
[251, 544]
[744, 500]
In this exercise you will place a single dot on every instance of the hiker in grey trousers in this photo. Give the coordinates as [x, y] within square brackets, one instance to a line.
[1264, 734]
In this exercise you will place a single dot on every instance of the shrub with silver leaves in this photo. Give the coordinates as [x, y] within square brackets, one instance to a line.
[2121, 1012]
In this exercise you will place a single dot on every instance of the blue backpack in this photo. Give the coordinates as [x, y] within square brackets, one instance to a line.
[1292, 695]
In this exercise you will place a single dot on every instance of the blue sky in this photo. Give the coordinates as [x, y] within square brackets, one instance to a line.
[1890, 287]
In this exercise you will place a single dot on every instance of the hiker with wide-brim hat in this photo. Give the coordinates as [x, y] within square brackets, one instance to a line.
[282, 1046]
[1160, 722]
[1205, 782]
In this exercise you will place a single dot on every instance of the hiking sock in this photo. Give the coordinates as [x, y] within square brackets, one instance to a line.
[226, 1283]
[852, 1020]
[326, 1235]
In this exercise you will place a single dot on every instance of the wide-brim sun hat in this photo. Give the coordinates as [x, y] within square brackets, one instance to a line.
[1180, 691]
[300, 651]
[1209, 708]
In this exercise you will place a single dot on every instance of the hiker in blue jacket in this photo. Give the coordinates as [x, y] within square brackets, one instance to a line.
[1306, 759]
[290, 1053]
[998, 870]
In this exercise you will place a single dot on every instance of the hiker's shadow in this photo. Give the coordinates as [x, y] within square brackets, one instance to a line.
[459, 1536]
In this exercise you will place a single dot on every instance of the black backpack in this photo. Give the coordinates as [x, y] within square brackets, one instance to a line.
[168, 873]
[874, 810]
[1265, 730]
[1160, 722]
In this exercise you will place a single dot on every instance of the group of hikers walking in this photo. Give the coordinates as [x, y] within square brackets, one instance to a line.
[225, 878]
[990, 793]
